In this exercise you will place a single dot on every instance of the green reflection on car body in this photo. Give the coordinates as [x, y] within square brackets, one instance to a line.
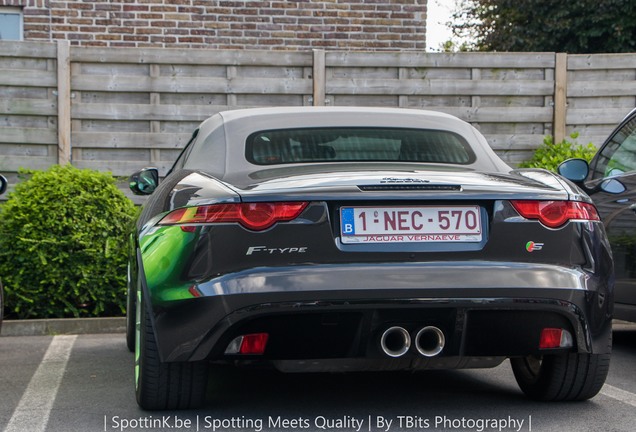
[165, 262]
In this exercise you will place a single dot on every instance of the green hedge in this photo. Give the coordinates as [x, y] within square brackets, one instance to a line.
[550, 154]
[63, 245]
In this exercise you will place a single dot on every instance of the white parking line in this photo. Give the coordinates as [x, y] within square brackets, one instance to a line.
[34, 409]
[618, 394]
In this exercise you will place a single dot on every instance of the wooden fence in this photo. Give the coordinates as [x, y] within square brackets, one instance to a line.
[120, 109]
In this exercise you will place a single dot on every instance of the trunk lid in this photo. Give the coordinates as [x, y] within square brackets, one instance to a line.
[354, 183]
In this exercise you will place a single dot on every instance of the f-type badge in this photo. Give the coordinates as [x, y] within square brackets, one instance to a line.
[532, 246]
[275, 250]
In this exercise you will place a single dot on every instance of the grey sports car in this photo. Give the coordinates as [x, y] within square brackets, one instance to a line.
[610, 180]
[362, 239]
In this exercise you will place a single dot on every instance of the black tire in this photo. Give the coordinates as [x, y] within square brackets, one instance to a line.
[130, 316]
[165, 386]
[564, 377]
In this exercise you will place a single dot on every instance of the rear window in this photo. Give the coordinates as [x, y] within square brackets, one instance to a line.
[287, 146]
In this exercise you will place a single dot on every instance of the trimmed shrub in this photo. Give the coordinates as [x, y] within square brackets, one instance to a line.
[550, 154]
[63, 245]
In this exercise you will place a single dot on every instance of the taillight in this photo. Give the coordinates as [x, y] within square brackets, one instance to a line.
[554, 214]
[254, 216]
[555, 338]
[251, 344]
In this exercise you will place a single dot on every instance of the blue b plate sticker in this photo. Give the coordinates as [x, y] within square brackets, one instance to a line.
[347, 221]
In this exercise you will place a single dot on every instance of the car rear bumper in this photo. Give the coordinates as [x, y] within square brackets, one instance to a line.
[486, 311]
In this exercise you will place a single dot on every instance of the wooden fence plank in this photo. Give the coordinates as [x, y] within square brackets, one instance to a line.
[123, 112]
[116, 140]
[191, 56]
[33, 107]
[319, 78]
[28, 135]
[500, 142]
[27, 78]
[27, 49]
[601, 89]
[191, 84]
[609, 116]
[499, 115]
[63, 102]
[560, 101]
[436, 60]
[601, 61]
[14, 163]
[122, 168]
[362, 86]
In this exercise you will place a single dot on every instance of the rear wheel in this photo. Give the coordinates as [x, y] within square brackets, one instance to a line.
[159, 385]
[562, 377]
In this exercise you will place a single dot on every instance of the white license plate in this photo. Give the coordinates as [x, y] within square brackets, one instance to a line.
[410, 224]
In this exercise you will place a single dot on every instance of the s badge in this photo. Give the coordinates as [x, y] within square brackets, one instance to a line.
[532, 246]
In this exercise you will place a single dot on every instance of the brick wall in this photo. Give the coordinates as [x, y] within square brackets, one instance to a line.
[371, 25]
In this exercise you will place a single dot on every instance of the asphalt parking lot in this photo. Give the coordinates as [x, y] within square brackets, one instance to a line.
[85, 383]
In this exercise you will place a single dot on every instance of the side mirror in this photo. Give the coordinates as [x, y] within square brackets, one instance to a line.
[3, 184]
[575, 170]
[612, 186]
[144, 182]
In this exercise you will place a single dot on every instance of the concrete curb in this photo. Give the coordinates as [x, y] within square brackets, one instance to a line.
[46, 327]
[623, 325]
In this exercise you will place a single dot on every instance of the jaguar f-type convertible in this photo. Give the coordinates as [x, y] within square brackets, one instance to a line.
[362, 239]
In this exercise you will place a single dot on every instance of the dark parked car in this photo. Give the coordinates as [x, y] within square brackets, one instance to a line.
[3, 188]
[610, 179]
[360, 239]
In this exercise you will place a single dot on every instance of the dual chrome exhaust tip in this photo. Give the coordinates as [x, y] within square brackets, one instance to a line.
[396, 341]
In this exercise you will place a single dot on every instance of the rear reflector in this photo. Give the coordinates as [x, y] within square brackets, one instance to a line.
[554, 214]
[254, 216]
[194, 291]
[555, 338]
[251, 344]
